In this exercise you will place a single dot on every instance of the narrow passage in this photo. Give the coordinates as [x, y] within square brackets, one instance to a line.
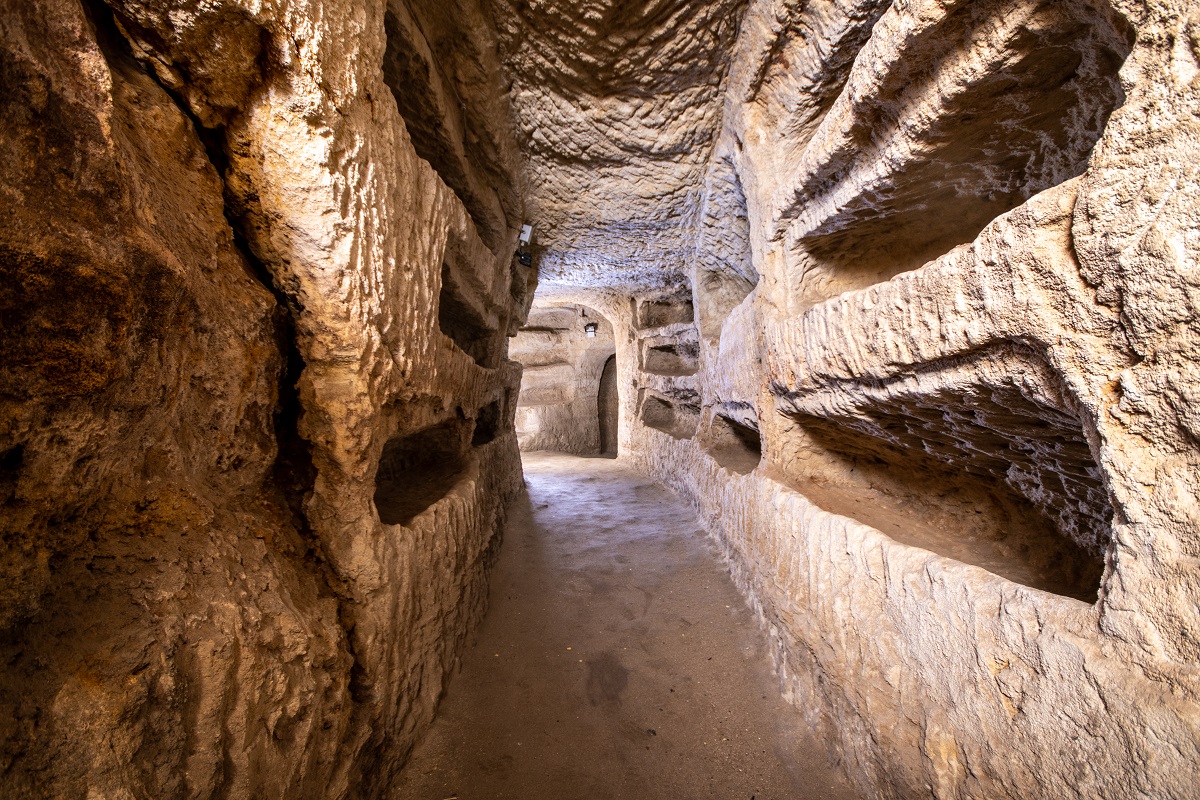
[616, 661]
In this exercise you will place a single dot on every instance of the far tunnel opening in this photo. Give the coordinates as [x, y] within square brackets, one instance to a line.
[568, 400]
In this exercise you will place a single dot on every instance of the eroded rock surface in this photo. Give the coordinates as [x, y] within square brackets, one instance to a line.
[902, 298]
[944, 337]
[230, 283]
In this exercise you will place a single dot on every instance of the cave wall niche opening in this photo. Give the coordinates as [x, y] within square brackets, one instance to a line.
[734, 445]
[717, 295]
[675, 359]
[458, 319]
[986, 474]
[678, 419]
[1023, 119]
[725, 273]
[434, 73]
[487, 424]
[660, 313]
[418, 469]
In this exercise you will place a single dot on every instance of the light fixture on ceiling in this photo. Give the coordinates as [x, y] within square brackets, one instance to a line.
[590, 330]
[526, 235]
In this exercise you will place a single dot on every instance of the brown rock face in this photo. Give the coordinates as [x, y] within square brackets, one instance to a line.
[230, 282]
[902, 297]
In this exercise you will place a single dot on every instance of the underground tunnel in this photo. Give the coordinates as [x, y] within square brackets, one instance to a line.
[529, 398]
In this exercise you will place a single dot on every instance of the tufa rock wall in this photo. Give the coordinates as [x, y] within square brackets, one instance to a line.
[234, 286]
[941, 419]
[901, 295]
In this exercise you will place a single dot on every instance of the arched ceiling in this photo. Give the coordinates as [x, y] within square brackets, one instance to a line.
[617, 105]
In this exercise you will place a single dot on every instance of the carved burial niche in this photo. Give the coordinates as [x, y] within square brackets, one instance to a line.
[418, 469]
[734, 445]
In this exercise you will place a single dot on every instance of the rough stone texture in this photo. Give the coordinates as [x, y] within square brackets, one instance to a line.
[942, 421]
[224, 266]
[617, 105]
[902, 296]
[559, 408]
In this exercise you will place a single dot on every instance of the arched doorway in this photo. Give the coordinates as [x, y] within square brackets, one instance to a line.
[606, 406]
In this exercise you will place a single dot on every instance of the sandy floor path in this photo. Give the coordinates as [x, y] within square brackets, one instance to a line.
[616, 661]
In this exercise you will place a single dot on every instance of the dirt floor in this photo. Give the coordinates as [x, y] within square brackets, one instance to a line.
[617, 661]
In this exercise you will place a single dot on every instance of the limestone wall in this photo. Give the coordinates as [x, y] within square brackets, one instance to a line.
[968, 532]
[236, 288]
[902, 297]
[942, 420]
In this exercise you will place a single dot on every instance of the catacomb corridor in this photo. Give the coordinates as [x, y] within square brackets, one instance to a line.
[470, 399]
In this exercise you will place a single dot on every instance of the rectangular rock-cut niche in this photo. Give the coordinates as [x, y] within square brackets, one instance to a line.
[672, 359]
[418, 469]
[487, 424]
[464, 324]
[1022, 115]
[984, 475]
[551, 384]
[717, 295]
[734, 445]
[660, 313]
[676, 418]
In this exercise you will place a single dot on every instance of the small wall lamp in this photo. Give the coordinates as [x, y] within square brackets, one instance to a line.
[590, 330]
[526, 235]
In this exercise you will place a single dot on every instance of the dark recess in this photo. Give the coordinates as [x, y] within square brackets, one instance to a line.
[607, 406]
[487, 424]
[416, 86]
[674, 360]
[11, 461]
[989, 150]
[417, 470]
[676, 419]
[460, 322]
[1061, 565]
[657, 313]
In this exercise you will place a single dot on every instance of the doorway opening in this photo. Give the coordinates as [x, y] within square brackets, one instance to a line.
[606, 406]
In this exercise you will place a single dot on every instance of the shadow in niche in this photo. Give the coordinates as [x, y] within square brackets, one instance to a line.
[678, 420]
[487, 424]
[734, 446]
[968, 514]
[11, 461]
[460, 148]
[660, 313]
[463, 325]
[1029, 122]
[417, 470]
[672, 360]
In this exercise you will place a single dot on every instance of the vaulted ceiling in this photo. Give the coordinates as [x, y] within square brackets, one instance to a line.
[617, 106]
